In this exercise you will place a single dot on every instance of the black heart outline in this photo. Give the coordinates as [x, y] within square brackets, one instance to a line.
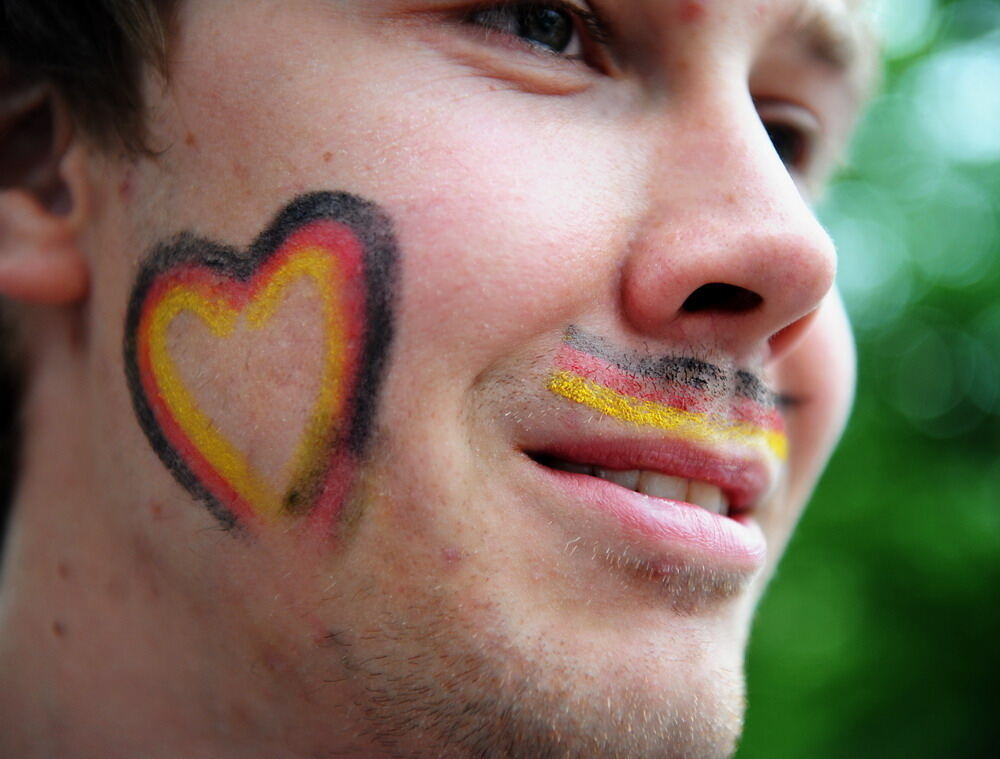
[373, 229]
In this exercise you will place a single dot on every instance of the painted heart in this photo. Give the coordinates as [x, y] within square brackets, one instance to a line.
[337, 249]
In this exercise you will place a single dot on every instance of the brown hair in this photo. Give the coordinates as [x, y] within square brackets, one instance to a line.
[91, 51]
[11, 388]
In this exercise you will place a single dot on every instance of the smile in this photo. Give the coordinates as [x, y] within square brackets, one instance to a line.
[675, 467]
[673, 502]
[655, 484]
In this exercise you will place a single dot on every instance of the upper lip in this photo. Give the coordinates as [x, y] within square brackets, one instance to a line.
[743, 480]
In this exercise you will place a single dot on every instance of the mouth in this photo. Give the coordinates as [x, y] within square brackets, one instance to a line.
[671, 502]
[705, 495]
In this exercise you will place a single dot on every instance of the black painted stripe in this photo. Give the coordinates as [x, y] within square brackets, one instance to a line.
[684, 370]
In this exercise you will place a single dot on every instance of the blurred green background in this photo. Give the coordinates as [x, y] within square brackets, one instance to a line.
[880, 635]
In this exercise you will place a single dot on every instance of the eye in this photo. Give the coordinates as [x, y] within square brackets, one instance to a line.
[790, 143]
[543, 26]
[793, 129]
[558, 28]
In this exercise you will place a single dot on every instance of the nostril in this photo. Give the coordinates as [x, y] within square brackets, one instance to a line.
[719, 296]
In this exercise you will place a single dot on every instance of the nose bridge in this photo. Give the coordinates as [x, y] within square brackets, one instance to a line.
[715, 170]
[727, 252]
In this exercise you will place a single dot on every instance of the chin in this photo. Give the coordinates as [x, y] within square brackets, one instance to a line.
[469, 694]
[460, 673]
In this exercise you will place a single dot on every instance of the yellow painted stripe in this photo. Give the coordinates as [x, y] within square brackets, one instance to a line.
[227, 460]
[318, 264]
[688, 424]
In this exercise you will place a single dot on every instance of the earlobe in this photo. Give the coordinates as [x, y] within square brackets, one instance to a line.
[40, 257]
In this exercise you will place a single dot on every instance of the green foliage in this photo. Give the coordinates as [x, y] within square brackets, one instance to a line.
[879, 635]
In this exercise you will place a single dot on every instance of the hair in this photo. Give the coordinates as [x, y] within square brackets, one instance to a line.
[11, 386]
[92, 54]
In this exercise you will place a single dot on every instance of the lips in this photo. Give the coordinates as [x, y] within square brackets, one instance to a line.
[655, 484]
[658, 465]
[673, 501]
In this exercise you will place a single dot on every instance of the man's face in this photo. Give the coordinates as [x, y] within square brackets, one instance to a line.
[614, 372]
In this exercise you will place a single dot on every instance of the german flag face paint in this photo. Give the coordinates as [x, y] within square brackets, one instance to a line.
[678, 395]
[341, 249]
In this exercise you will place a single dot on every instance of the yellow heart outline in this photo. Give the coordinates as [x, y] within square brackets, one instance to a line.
[221, 319]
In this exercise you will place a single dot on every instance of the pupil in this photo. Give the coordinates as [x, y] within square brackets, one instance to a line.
[787, 143]
[546, 27]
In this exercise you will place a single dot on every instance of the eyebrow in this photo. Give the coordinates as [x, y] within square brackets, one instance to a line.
[832, 35]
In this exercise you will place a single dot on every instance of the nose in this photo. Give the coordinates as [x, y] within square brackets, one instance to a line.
[727, 255]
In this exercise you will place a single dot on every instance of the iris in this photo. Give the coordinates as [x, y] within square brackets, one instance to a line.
[544, 26]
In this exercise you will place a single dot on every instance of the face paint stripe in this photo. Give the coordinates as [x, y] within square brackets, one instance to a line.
[197, 465]
[674, 370]
[196, 426]
[331, 492]
[321, 430]
[676, 395]
[689, 425]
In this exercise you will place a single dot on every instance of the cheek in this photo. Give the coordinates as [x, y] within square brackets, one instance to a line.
[823, 368]
[501, 210]
[510, 233]
[820, 370]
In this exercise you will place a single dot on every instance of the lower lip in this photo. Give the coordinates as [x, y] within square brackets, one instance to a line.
[669, 532]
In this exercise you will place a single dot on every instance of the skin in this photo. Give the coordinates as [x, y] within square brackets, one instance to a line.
[447, 612]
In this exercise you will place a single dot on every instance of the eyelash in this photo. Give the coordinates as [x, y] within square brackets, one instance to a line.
[801, 149]
[785, 121]
[588, 27]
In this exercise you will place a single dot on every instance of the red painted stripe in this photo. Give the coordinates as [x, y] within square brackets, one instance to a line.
[673, 394]
[179, 440]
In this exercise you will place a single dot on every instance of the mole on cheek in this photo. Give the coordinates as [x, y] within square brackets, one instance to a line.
[125, 186]
[451, 555]
[691, 11]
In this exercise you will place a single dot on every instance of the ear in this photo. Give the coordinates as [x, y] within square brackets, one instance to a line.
[40, 198]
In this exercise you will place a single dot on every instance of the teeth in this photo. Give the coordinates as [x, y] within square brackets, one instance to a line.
[656, 485]
[571, 466]
[661, 486]
[628, 478]
[707, 496]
